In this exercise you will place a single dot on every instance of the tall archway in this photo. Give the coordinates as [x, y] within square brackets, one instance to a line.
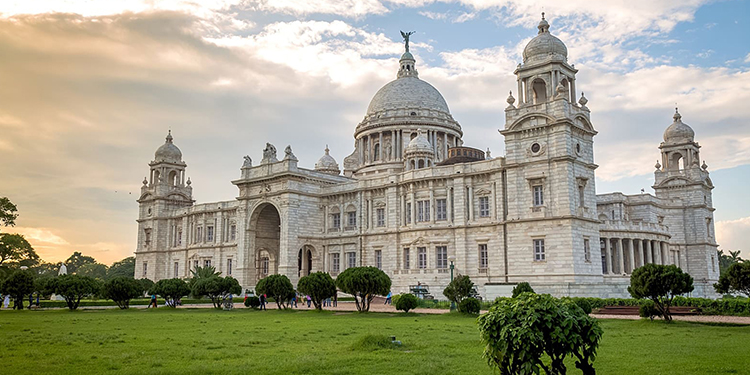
[539, 88]
[305, 261]
[266, 225]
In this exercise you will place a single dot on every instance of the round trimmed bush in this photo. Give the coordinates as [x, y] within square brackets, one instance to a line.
[469, 306]
[523, 287]
[252, 302]
[406, 302]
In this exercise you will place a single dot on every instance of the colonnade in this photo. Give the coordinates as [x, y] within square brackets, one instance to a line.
[372, 147]
[620, 256]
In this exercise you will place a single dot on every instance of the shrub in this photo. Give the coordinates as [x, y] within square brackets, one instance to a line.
[75, 287]
[469, 306]
[648, 310]
[583, 303]
[121, 290]
[146, 285]
[736, 279]
[523, 287]
[17, 285]
[319, 286]
[406, 302]
[277, 287]
[364, 283]
[252, 302]
[458, 289]
[217, 288]
[171, 290]
[660, 284]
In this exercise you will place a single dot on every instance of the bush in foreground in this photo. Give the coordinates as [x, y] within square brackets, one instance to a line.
[17, 285]
[277, 287]
[523, 287]
[171, 290]
[406, 302]
[660, 284]
[319, 286]
[518, 332]
[121, 290]
[469, 306]
[364, 283]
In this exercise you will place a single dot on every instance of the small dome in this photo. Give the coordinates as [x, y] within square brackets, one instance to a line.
[419, 144]
[678, 132]
[327, 164]
[544, 46]
[407, 56]
[168, 151]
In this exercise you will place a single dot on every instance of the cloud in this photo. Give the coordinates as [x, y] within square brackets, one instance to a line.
[347, 8]
[747, 58]
[732, 235]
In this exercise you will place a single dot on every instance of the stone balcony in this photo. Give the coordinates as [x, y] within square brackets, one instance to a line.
[624, 226]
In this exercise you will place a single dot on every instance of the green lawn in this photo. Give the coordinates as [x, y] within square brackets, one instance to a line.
[167, 341]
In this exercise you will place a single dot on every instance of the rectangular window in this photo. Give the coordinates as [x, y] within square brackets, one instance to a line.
[210, 234]
[379, 259]
[441, 257]
[145, 269]
[441, 209]
[179, 238]
[423, 211]
[195, 264]
[483, 258]
[539, 251]
[380, 213]
[406, 259]
[199, 235]
[484, 206]
[351, 219]
[176, 269]
[335, 263]
[581, 196]
[422, 257]
[207, 263]
[408, 213]
[147, 239]
[351, 260]
[538, 195]
[586, 250]
[336, 220]
[233, 232]
[229, 267]
[264, 266]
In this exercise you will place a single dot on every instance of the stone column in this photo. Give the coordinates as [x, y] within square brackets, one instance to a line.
[665, 253]
[608, 254]
[648, 252]
[621, 256]
[471, 203]
[657, 250]
[432, 204]
[392, 156]
[519, 93]
[642, 250]
[413, 204]
[380, 146]
[631, 252]
[572, 90]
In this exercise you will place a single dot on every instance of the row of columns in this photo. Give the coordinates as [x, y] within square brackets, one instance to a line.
[622, 255]
[397, 145]
[526, 87]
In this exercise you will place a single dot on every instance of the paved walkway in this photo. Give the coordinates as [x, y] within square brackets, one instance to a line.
[687, 318]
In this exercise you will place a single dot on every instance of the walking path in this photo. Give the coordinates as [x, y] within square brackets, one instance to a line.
[687, 318]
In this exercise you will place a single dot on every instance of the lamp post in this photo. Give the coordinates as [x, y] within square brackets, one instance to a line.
[452, 259]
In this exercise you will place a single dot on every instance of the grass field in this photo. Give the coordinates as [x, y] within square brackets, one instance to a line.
[182, 341]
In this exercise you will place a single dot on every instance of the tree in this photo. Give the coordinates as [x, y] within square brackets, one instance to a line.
[364, 283]
[278, 287]
[45, 285]
[75, 261]
[146, 285]
[518, 332]
[171, 290]
[216, 288]
[19, 284]
[75, 287]
[523, 287]
[204, 272]
[319, 286]
[458, 289]
[96, 270]
[406, 302]
[121, 290]
[8, 212]
[45, 269]
[15, 248]
[735, 280]
[725, 261]
[123, 268]
[660, 284]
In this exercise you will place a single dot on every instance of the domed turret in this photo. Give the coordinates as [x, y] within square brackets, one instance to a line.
[327, 164]
[168, 152]
[544, 46]
[678, 132]
[419, 153]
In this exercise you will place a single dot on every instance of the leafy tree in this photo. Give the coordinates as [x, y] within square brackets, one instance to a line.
[660, 284]
[76, 260]
[276, 286]
[15, 248]
[146, 285]
[458, 289]
[75, 287]
[123, 268]
[45, 285]
[45, 269]
[8, 212]
[216, 288]
[469, 306]
[19, 284]
[518, 332]
[319, 286]
[204, 272]
[171, 290]
[364, 283]
[725, 261]
[95, 270]
[523, 287]
[121, 290]
[406, 302]
[736, 279]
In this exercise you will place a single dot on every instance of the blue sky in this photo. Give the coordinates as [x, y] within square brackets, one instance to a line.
[90, 89]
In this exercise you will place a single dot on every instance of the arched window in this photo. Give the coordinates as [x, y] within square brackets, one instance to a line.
[376, 150]
[173, 178]
[539, 89]
[676, 162]
[565, 84]
[421, 164]
[156, 177]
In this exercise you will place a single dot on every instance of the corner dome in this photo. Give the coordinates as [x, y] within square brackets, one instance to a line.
[678, 132]
[327, 164]
[407, 93]
[168, 151]
[419, 144]
[544, 46]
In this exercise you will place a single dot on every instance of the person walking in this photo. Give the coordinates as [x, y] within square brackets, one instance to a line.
[263, 301]
[294, 300]
[153, 302]
[388, 298]
[6, 301]
[309, 300]
[336, 298]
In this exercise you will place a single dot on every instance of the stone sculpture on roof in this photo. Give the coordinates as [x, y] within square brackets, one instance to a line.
[406, 36]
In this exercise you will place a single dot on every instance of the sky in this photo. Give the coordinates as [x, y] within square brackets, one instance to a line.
[89, 90]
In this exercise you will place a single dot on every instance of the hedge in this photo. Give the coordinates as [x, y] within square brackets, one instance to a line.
[723, 306]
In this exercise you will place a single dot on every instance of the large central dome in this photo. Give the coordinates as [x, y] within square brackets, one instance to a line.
[407, 93]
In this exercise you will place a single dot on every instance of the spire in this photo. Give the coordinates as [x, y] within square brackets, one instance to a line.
[169, 136]
[543, 25]
[677, 116]
[327, 150]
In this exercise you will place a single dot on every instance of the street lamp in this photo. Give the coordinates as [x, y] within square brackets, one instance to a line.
[452, 259]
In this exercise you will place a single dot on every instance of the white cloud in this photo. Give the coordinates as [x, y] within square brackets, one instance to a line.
[732, 235]
[347, 8]
[40, 236]
[747, 58]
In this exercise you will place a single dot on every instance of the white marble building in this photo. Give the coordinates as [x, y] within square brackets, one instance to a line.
[411, 196]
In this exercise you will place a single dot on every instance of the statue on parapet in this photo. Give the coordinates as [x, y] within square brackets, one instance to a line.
[248, 162]
[269, 154]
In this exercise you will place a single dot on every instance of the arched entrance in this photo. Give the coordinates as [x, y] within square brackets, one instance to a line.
[266, 225]
[305, 261]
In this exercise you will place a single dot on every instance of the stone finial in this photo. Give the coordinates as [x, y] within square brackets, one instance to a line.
[677, 116]
[169, 136]
[510, 100]
[188, 182]
[582, 101]
[704, 166]
[248, 162]
[658, 165]
[145, 181]
[488, 154]
[288, 155]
